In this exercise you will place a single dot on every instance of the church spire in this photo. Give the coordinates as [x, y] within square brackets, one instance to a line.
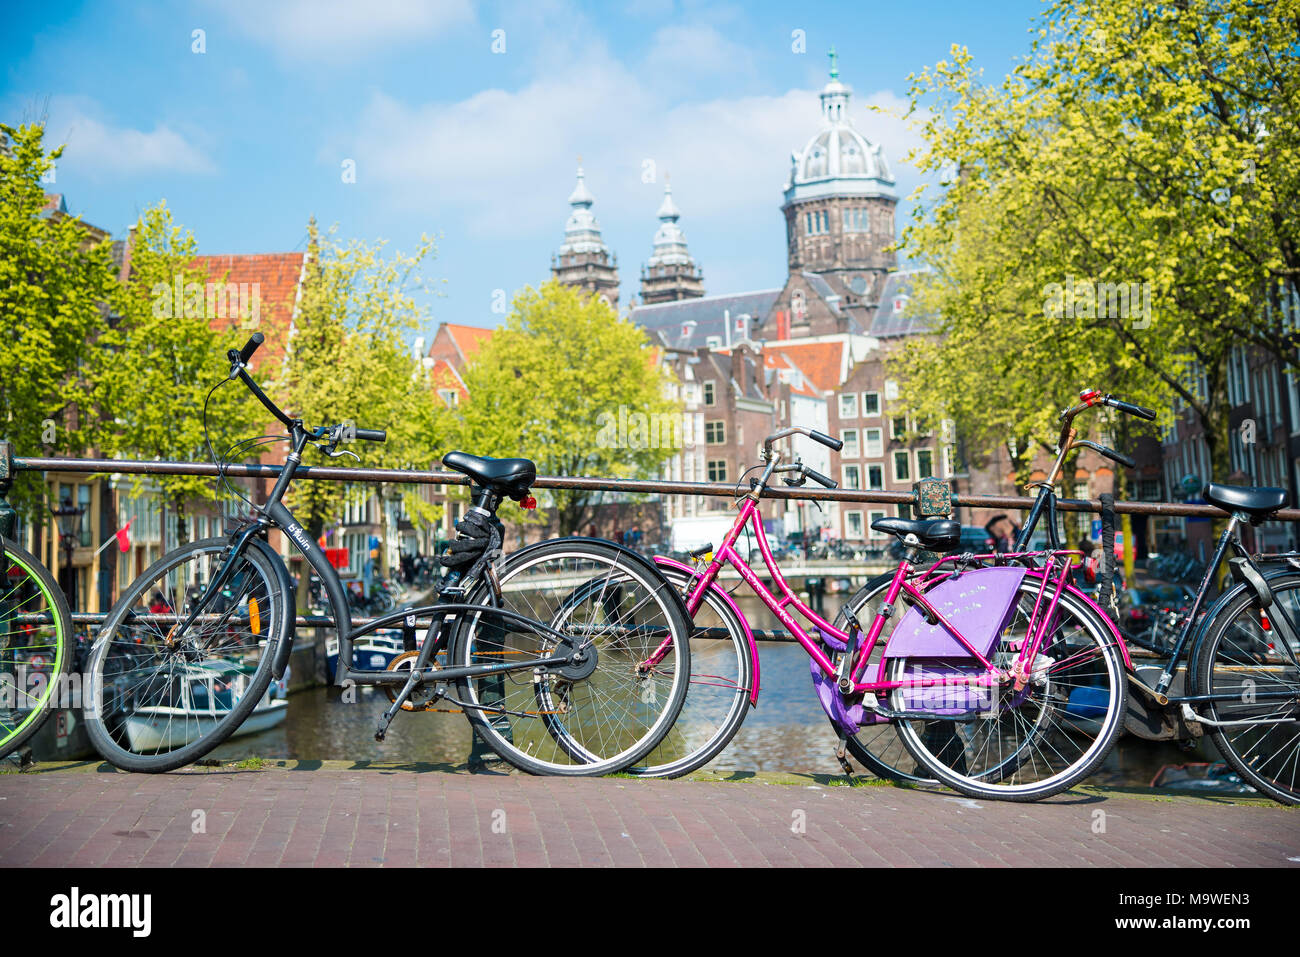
[583, 259]
[671, 273]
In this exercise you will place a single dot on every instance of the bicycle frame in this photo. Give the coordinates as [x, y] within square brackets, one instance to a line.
[850, 672]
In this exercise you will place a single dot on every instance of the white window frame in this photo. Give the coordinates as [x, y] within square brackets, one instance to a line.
[844, 476]
[718, 422]
[879, 447]
[917, 458]
[851, 448]
[879, 407]
[893, 465]
[881, 468]
[848, 521]
[710, 392]
[851, 397]
[871, 533]
[708, 469]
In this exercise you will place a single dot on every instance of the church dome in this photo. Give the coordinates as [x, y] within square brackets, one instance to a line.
[838, 160]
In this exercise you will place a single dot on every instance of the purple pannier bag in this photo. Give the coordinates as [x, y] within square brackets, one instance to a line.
[979, 603]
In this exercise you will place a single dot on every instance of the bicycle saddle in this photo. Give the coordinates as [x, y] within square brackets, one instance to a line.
[1254, 501]
[512, 477]
[936, 534]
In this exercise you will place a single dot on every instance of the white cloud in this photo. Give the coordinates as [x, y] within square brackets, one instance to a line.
[101, 149]
[309, 28]
[505, 159]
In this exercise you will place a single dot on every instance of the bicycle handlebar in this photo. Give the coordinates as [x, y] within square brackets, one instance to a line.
[1129, 408]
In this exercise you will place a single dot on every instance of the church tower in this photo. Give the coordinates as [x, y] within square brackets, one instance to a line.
[584, 260]
[839, 206]
[671, 273]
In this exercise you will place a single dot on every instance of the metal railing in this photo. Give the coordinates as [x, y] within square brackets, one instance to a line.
[9, 465]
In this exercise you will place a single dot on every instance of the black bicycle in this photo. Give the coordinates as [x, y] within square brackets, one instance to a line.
[546, 651]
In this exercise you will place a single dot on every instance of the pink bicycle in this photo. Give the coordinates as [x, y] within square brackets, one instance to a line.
[1020, 702]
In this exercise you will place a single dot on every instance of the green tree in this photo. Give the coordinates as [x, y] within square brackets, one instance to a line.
[1139, 147]
[55, 283]
[349, 363]
[554, 383]
[156, 368]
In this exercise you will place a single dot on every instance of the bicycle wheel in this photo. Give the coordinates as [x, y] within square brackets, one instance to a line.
[717, 699]
[597, 718]
[1236, 656]
[35, 655]
[164, 695]
[1029, 743]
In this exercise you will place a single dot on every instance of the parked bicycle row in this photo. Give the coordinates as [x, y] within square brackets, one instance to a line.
[985, 669]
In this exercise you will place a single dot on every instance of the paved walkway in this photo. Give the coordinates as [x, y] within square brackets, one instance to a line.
[334, 813]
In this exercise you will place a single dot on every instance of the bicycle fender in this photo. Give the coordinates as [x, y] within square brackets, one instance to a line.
[744, 622]
[284, 643]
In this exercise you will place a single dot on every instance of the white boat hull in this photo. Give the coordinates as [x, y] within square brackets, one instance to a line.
[165, 729]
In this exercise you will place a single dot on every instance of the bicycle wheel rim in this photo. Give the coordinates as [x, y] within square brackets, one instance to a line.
[1243, 660]
[162, 696]
[1043, 738]
[34, 657]
[598, 724]
[718, 693]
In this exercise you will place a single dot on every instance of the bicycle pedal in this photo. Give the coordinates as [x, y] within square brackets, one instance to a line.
[380, 735]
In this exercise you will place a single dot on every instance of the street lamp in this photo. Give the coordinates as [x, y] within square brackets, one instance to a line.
[68, 517]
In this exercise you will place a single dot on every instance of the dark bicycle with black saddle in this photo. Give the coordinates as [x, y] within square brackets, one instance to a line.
[546, 651]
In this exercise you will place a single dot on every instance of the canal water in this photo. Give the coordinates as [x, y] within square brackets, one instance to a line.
[788, 731]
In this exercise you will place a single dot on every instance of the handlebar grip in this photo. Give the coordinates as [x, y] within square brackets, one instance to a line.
[827, 441]
[1131, 409]
[251, 346]
[1119, 457]
[372, 435]
[817, 476]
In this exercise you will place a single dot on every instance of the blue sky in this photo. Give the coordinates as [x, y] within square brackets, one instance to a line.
[247, 139]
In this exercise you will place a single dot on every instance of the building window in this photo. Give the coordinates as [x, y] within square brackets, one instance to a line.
[924, 463]
[709, 389]
[871, 403]
[873, 447]
[713, 342]
[872, 518]
[849, 405]
[902, 467]
[850, 439]
[876, 477]
[852, 476]
[715, 432]
[450, 396]
[717, 470]
[898, 427]
[853, 525]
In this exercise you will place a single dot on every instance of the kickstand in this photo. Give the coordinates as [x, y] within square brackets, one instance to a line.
[396, 706]
[840, 756]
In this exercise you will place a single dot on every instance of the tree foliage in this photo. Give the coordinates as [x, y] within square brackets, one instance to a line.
[153, 374]
[349, 364]
[55, 282]
[550, 380]
[1144, 156]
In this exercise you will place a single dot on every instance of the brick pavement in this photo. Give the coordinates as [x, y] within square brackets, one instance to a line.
[334, 814]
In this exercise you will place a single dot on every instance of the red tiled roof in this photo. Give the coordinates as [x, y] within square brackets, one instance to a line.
[821, 362]
[273, 280]
[468, 339]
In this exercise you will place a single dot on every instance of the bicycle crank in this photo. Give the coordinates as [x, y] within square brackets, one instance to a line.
[424, 697]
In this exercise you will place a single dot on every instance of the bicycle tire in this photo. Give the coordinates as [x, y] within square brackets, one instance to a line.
[1044, 695]
[17, 728]
[709, 655]
[1227, 656]
[569, 741]
[111, 728]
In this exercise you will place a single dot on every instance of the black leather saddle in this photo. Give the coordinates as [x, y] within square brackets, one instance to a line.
[1255, 502]
[935, 534]
[512, 477]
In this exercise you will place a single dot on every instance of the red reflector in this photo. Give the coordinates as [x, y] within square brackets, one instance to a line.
[528, 502]
[1263, 622]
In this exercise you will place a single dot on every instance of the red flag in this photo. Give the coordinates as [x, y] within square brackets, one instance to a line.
[124, 537]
